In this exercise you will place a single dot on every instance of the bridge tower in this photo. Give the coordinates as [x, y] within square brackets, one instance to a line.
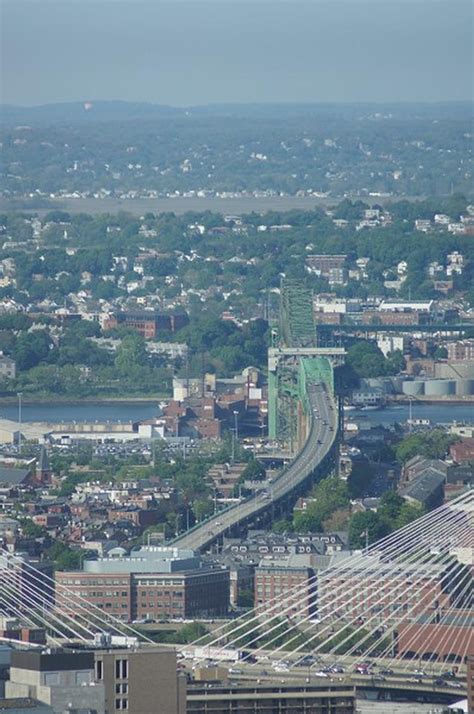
[294, 359]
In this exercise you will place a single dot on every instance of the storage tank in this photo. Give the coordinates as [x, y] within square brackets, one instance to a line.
[464, 387]
[415, 388]
[440, 387]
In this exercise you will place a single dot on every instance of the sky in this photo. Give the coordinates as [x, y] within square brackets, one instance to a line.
[188, 52]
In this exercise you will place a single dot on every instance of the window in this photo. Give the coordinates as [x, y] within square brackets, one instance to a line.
[121, 688]
[121, 704]
[51, 679]
[121, 669]
[99, 669]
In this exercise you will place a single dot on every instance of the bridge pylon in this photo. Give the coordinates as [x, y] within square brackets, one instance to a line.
[294, 361]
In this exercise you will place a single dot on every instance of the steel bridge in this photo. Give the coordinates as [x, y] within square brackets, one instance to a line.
[303, 416]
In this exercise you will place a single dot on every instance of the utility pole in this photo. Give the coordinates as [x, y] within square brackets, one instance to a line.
[19, 395]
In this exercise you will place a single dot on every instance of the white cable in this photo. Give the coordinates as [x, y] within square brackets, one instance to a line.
[393, 538]
[330, 574]
[412, 612]
[36, 592]
[35, 613]
[78, 599]
[24, 618]
[345, 624]
[437, 515]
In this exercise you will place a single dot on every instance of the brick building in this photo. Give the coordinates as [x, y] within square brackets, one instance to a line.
[460, 350]
[450, 640]
[463, 451]
[154, 582]
[359, 590]
[274, 578]
[148, 324]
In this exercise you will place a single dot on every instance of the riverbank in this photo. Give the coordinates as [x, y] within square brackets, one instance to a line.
[435, 400]
[86, 401]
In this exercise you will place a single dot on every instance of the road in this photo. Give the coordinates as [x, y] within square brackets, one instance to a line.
[323, 430]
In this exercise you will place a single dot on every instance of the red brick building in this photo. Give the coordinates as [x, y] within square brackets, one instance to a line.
[148, 324]
[359, 590]
[463, 451]
[276, 578]
[450, 640]
[133, 596]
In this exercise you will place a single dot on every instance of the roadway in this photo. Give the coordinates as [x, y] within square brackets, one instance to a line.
[323, 420]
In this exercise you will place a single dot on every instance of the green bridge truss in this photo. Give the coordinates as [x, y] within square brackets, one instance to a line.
[289, 372]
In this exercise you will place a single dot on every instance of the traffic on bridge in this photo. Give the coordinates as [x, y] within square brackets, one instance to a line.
[323, 422]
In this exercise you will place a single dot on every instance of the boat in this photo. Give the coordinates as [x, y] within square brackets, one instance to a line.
[349, 407]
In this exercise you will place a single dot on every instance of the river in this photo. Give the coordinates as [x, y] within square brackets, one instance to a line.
[179, 205]
[136, 411]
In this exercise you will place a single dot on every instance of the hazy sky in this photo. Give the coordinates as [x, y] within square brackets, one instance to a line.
[199, 51]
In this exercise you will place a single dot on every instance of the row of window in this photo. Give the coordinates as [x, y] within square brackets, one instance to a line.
[151, 593]
[158, 581]
[81, 581]
[176, 605]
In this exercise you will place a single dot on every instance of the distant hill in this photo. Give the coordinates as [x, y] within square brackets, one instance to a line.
[84, 112]
[73, 113]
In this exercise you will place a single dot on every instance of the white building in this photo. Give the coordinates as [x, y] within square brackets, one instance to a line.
[390, 343]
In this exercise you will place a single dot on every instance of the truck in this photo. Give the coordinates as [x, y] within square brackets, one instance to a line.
[217, 654]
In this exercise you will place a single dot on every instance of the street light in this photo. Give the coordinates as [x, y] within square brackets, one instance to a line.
[19, 395]
[236, 424]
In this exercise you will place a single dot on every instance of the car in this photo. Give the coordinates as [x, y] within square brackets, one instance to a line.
[337, 669]
[321, 673]
[419, 673]
[439, 682]
[378, 678]
[361, 669]
[235, 670]
[386, 672]
[455, 685]
[307, 661]
[450, 674]
[278, 667]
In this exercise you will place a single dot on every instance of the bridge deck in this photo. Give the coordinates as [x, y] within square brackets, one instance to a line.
[322, 434]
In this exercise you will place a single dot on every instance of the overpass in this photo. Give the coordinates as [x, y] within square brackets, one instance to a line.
[322, 418]
[302, 415]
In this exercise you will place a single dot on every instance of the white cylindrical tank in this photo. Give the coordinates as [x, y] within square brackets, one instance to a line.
[440, 387]
[415, 388]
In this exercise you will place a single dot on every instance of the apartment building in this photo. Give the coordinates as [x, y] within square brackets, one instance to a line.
[152, 583]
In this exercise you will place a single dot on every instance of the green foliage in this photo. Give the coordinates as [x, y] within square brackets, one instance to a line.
[254, 471]
[360, 479]
[432, 444]
[393, 513]
[367, 360]
[366, 521]
[330, 494]
[31, 529]
[64, 558]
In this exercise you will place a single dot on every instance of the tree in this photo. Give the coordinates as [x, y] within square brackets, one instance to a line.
[130, 355]
[366, 359]
[432, 445]
[254, 471]
[366, 521]
[329, 496]
[202, 509]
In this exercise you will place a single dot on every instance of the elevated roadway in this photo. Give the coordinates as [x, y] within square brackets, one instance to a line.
[323, 423]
